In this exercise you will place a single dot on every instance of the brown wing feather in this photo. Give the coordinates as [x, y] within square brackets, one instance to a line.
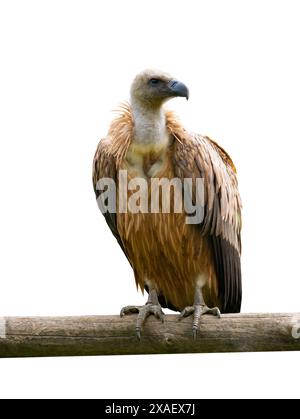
[104, 166]
[110, 153]
[198, 156]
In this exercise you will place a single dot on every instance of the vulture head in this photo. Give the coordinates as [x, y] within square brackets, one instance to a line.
[153, 88]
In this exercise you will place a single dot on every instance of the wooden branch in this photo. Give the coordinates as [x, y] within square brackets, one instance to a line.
[110, 335]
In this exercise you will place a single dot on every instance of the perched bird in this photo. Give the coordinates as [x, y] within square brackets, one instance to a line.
[191, 268]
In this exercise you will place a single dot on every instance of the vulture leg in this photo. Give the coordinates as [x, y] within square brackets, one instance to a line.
[198, 310]
[152, 307]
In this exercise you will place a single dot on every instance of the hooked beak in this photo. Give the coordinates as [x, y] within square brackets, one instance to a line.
[178, 89]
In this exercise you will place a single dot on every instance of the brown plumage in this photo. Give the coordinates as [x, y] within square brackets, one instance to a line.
[167, 254]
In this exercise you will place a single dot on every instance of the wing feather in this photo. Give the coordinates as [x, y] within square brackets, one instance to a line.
[105, 166]
[222, 220]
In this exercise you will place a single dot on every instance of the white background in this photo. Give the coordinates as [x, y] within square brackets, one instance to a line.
[64, 66]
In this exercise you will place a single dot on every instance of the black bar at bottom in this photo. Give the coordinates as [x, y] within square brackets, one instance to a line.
[148, 408]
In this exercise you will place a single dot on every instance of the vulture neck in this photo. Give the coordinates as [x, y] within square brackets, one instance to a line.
[150, 126]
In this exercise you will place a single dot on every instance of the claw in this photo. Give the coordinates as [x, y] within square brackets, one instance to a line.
[158, 313]
[129, 310]
[143, 313]
[138, 333]
[195, 329]
[216, 312]
[186, 312]
[198, 310]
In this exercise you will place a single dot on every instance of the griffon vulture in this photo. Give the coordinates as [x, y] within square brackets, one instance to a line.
[191, 268]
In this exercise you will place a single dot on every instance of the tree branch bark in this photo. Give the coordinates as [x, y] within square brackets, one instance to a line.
[111, 335]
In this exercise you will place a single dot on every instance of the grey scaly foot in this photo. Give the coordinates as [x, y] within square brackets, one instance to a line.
[198, 310]
[151, 308]
[143, 313]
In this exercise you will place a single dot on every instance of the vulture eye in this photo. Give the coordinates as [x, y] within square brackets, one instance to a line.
[154, 82]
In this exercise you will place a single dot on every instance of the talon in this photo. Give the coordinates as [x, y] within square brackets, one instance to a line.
[218, 313]
[143, 313]
[186, 312]
[159, 314]
[198, 310]
[129, 310]
[195, 330]
[138, 334]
